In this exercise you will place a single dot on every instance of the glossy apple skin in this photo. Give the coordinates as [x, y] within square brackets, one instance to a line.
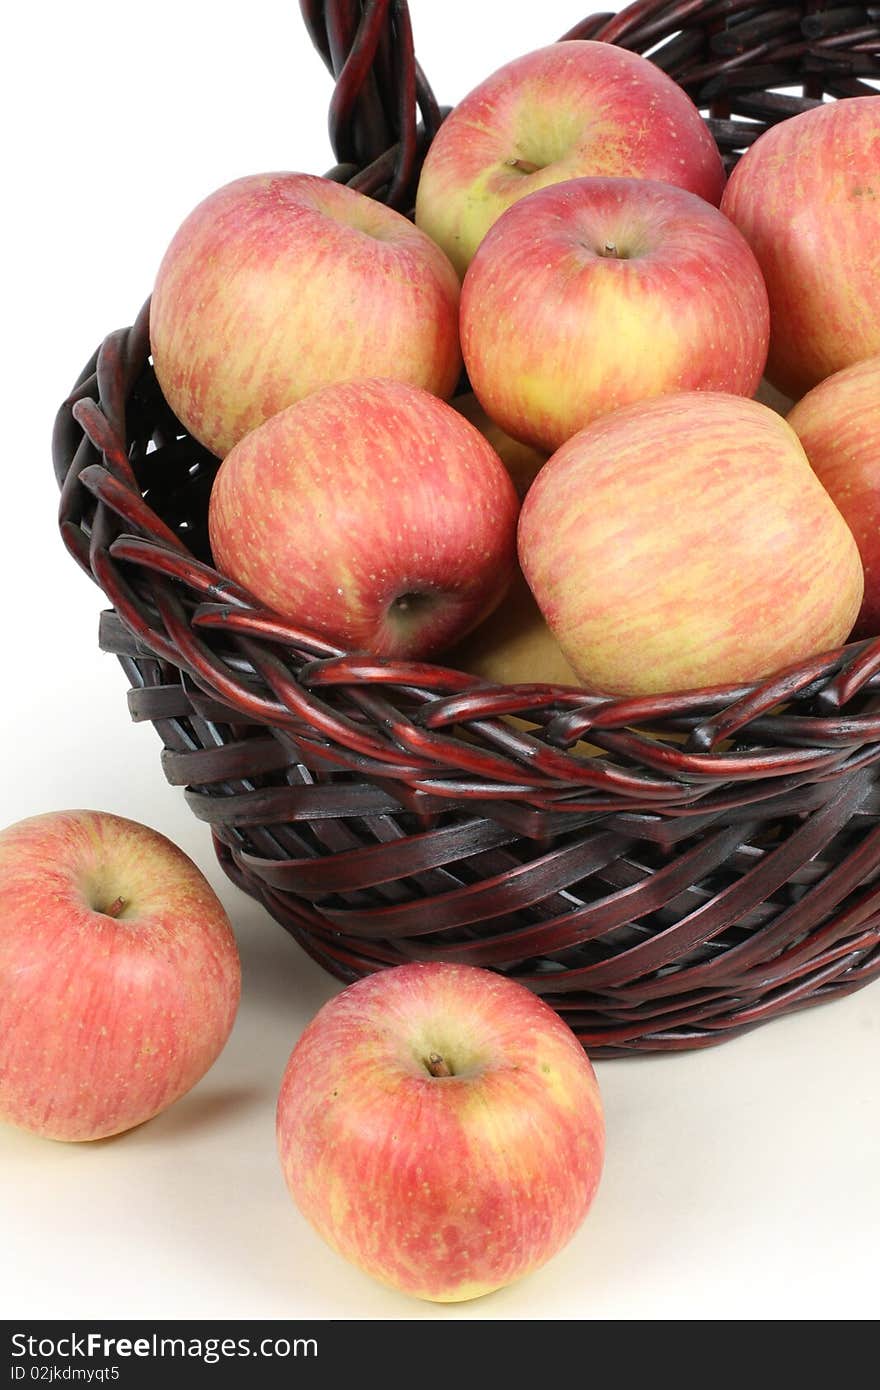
[806, 196]
[278, 284]
[686, 542]
[557, 332]
[445, 1187]
[572, 109]
[106, 1020]
[372, 513]
[838, 423]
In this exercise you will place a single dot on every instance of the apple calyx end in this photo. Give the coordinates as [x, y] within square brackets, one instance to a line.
[437, 1065]
[410, 607]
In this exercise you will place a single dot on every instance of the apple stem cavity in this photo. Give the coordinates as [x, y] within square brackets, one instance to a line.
[437, 1066]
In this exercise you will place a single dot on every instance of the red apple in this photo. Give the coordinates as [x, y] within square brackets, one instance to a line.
[838, 423]
[686, 542]
[806, 196]
[593, 294]
[370, 512]
[441, 1127]
[281, 283]
[119, 974]
[571, 109]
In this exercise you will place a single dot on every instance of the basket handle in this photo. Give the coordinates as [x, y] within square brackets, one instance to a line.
[380, 91]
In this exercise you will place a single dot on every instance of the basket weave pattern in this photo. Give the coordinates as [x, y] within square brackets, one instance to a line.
[718, 861]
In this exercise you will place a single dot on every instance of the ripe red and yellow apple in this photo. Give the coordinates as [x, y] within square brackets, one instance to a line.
[119, 974]
[596, 293]
[370, 512]
[806, 196]
[521, 460]
[278, 284]
[441, 1127]
[838, 423]
[568, 110]
[687, 542]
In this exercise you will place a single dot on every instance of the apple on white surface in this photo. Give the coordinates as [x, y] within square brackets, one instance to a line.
[592, 294]
[441, 1128]
[370, 512]
[686, 542]
[570, 109]
[838, 423]
[806, 196]
[278, 284]
[119, 974]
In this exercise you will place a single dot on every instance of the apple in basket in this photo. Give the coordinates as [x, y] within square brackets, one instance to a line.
[806, 196]
[441, 1127]
[838, 423]
[570, 109]
[370, 512]
[687, 542]
[119, 974]
[592, 294]
[281, 283]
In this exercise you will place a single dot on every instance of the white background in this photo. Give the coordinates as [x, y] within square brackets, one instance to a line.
[740, 1182]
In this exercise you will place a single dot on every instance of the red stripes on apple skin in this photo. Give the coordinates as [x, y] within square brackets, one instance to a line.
[569, 110]
[278, 284]
[686, 542]
[838, 423]
[444, 1187]
[360, 494]
[555, 334]
[806, 196]
[106, 1021]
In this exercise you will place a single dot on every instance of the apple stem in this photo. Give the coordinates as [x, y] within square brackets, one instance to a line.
[610, 249]
[437, 1066]
[523, 166]
[115, 908]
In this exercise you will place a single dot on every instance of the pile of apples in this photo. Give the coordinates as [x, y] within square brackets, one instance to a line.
[609, 507]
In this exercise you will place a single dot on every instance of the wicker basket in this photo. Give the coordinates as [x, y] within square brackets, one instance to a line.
[669, 894]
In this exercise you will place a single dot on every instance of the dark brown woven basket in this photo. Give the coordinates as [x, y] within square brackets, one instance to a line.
[718, 864]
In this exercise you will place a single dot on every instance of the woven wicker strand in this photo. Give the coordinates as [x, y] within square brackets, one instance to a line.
[717, 863]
